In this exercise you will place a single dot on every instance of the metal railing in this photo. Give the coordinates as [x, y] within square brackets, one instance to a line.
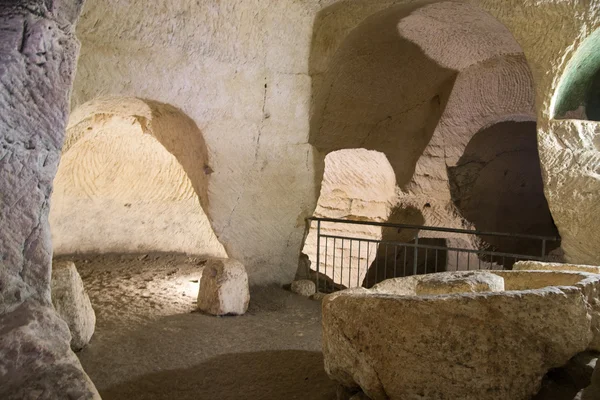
[344, 261]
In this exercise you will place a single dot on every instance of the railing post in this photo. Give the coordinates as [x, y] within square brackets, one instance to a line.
[319, 251]
[543, 249]
[416, 254]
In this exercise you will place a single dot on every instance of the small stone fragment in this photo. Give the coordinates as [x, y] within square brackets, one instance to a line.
[304, 287]
[318, 296]
[224, 288]
[72, 303]
[447, 283]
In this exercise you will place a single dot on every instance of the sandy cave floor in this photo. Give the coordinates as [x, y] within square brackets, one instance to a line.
[151, 344]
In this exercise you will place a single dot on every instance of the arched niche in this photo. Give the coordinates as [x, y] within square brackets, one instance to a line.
[133, 178]
[358, 184]
[387, 85]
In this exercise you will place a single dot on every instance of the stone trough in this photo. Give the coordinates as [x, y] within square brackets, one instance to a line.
[460, 335]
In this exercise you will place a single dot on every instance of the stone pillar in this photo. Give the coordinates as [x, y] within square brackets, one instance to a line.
[38, 53]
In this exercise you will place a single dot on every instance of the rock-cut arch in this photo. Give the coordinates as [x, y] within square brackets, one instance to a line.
[417, 82]
[133, 178]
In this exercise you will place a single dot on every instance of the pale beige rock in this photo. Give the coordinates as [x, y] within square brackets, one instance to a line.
[304, 288]
[470, 282]
[72, 303]
[542, 266]
[399, 286]
[36, 361]
[368, 335]
[224, 288]
[442, 283]
[38, 52]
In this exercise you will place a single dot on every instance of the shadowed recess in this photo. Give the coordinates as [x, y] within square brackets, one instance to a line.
[132, 178]
[497, 185]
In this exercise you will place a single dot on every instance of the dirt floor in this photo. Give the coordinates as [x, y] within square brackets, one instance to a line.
[151, 344]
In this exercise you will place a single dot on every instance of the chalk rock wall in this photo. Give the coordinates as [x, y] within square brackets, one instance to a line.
[240, 71]
[249, 71]
[571, 162]
[423, 106]
[567, 155]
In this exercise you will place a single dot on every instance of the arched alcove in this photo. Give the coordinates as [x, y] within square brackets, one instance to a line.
[132, 179]
[358, 184]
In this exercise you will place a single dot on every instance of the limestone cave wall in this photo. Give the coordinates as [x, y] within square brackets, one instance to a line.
[249, 72]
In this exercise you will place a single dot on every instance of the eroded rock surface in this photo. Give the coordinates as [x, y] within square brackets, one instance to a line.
[38, 52]
[541, 266]
[224, 288]
[304, 287]
[72, 303]
[435, 284]
[36, 361]
[472, 341]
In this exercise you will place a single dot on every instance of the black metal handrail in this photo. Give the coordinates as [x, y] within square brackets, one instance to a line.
[485, 255]
[435, 228]
[432, 247]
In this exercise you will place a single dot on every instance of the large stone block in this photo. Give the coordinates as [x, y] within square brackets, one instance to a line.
[458, 346]
[72, 303]
[35, 359]
[224, 288]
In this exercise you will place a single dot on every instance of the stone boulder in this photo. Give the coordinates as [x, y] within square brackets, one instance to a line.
[36, 361]
[72, 303]
[458, 346]
[224, 288]
[470, 282]
[304, 287]
[544, 266]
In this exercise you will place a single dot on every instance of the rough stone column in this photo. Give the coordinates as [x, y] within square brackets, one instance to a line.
[38, 52]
